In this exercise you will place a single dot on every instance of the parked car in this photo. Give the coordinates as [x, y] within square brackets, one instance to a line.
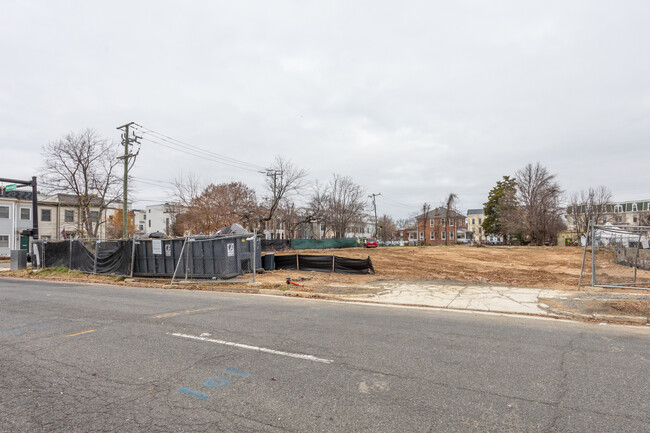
[371, 243]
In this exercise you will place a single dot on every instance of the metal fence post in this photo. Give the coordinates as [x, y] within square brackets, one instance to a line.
[132, 256]
[95, 261]
[593, 253]
[70, 259]
[254, 254]
[180, 257]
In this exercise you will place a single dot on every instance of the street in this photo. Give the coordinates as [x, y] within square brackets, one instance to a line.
[79, 357]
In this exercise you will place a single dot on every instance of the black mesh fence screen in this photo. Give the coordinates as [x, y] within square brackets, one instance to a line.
[286, 262]
[343, 265]
[324, 264]
[315, 263]
[276, 244]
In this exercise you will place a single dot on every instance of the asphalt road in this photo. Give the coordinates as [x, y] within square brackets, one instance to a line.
[105, 358]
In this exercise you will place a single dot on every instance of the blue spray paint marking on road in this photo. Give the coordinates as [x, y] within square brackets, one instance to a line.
[192, 392]
[237, 372]
[221, 382]
[12, 331]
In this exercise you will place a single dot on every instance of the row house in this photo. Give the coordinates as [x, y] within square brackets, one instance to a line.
[617, 213]
[441, 227]
[475, 218]
[15, 216]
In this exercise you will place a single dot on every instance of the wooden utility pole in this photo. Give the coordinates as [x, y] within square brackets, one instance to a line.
[125, 212]
[274, 174]
[374, 205]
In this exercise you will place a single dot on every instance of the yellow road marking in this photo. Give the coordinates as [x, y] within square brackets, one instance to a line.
[177, 313]
[79, 333]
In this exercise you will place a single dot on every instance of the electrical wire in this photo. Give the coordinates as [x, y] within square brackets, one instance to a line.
[195, 149]
[198, 155]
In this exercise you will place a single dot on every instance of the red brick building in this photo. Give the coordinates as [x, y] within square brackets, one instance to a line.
[441, 227]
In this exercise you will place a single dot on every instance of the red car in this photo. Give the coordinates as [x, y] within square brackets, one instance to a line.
[371, 243]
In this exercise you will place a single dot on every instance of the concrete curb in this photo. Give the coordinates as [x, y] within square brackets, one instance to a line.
[637, 320]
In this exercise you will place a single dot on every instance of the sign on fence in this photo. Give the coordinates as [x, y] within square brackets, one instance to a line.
[231, 250]
[156, 246]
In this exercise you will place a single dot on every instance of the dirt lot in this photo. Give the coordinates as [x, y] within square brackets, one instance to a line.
[539, 267]
[543, 267]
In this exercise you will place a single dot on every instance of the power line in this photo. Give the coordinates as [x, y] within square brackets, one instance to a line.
[198, 155]
[397, 203]
[204, 152]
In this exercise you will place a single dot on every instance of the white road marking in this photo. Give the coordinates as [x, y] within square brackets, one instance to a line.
[257, 348]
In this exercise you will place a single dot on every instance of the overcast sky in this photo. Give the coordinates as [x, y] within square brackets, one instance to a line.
[413, 99]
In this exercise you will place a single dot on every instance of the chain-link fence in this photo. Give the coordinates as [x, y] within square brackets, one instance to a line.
[220, 259]
[620, 256]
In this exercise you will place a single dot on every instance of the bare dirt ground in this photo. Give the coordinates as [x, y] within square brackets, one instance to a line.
[539, 267]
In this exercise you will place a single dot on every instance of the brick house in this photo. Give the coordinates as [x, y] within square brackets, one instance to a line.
[439, 226]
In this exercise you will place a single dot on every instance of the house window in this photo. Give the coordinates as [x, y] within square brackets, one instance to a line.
[432, 236]
[480, 230]
[443, 235]
[4, 211]
[451, 236]
[431, 222]
[69, 216]
[451, 221]
[473, 221]
[144, 217]
[442, 222]
[46, 215]
[149, 223]
[25, 213]
[618, 208]
[479, 221]
[634, 207]
[4, 241]
[94, 216]
[635, 219]
[422, 236]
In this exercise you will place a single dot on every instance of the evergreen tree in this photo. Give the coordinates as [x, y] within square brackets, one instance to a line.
[498, 199]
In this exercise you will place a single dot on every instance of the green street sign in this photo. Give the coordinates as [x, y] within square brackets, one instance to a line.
[10, 187]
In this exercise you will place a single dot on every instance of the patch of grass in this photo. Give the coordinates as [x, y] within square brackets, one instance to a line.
[59, 271]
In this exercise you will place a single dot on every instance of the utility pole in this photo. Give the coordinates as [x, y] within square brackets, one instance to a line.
[127, 156]
[374, 205]
[274, 174]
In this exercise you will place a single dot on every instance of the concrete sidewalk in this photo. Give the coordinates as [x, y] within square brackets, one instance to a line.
[595, 306]
[518, 300]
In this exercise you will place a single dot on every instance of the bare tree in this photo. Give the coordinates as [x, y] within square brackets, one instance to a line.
[450, 205]
[283, 180]
[426, 208]
[585, 206]
[539, 195]
[85, 165]
[339, 204]
[386, 228]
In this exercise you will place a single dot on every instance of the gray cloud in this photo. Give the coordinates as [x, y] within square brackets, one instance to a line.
[413, 99]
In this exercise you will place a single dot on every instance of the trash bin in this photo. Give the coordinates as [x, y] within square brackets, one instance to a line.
[268, 262]
[18, 260]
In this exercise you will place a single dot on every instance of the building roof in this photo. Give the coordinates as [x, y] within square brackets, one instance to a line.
[68, 200]
[474, 212]
[439, 212]
[18, 195]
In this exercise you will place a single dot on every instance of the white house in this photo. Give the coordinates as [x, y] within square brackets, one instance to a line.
[15, 216]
